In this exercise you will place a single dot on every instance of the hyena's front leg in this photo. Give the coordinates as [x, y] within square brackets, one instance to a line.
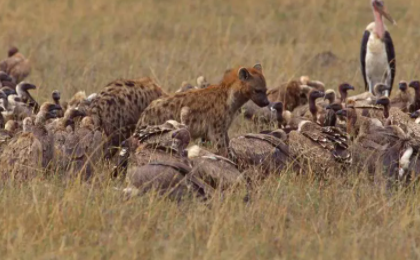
[221, 141]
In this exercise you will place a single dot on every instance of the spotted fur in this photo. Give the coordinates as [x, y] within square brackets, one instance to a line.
[212, 109]
[117, 108]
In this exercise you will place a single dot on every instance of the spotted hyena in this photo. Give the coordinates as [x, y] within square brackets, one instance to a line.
[212, 109]
[117, 108]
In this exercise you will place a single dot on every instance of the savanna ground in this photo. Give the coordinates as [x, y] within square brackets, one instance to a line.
[82, 45]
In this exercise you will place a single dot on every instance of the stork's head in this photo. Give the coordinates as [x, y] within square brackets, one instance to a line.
[379, 7]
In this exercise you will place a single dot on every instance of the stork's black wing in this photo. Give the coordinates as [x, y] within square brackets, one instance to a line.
[390, 52]
[363, 50]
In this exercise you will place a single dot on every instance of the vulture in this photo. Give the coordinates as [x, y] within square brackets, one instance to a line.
[63, 129]
[376, 148]
[83, 149]
[292, 94]
[273, 113]
[29, 153]
[6, 80]
[18, 110]
[216, 171]
[56, 96]
[315, 84]
[162, 165]
[202, 82]
[415, 105]
[185, 86]
[367, 97]
[312, 110]
[330, 116]
[22, 90]
[330, 94]
[321, 150]
[169, 179]
[403, 98]
[264, 152]
[395, 117]
[149, 141]
[16, 65]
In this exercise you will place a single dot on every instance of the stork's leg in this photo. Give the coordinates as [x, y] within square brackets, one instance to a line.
[370, 85]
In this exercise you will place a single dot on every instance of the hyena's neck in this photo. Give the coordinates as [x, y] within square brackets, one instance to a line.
[235, 98]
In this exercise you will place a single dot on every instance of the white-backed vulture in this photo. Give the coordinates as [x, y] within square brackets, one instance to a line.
[292, 94]
[271, 114]
[83, 150]
[164, 167]
[343, 89]
[56, 96]
[402, 99]
[202, 82]
[321, 150]
[264, 152]
[415, 105]
[367, 97]
[62, 129]
[149, 138]
[214, 170]
[6, 80]
[16, 65]
[22, 90]
[312, 110]
[185, 86]
[29, 153]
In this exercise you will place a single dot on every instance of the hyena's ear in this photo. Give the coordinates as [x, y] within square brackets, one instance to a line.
[258, 67]
[243, 74]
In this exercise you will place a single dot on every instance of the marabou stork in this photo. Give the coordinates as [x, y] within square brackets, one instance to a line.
[377, 53]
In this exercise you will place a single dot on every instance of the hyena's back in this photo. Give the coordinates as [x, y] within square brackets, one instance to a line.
[207, 108]
[118, 107]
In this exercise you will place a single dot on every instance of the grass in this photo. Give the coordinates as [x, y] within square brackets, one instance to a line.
[82, 45]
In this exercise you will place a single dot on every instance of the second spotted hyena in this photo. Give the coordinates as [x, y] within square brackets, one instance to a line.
[212, 109]
[117, 108]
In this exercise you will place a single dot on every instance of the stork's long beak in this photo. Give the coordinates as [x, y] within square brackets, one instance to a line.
[388, 16]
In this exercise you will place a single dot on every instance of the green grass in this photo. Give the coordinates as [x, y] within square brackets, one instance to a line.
[82, 45]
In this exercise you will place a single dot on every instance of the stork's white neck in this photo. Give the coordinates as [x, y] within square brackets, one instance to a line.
[379, 24]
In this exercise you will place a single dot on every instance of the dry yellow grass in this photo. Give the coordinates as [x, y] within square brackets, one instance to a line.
[82, 45]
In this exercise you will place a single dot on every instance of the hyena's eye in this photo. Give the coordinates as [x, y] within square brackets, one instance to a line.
[259, 91]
